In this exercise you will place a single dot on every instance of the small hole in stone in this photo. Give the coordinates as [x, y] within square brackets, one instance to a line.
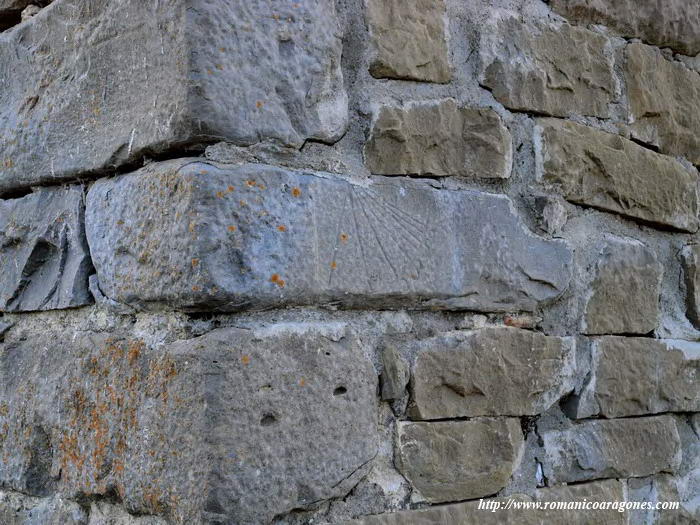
[267, 420]
[341, 390]
[328, 353]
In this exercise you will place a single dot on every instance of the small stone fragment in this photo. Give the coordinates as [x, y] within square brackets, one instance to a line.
[552, 213]
[409, 40]
[30, 11]
[457, 460]
[395, 375]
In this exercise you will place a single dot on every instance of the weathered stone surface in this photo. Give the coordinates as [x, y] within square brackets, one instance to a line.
[95, 85]
[457, 460]
[663, 101]
[616, 448]
[102, 513]
[44, 259]
[409, 39]
[439, 138]
[489, 372]
[395, 374]
[557, 71]
[191, 235]
[624, 294]
[19, 509]
[614, 174]
[470, 514]
[658, 489]
[235, 426]
[690, 257]
[634, 376]
[663, 23]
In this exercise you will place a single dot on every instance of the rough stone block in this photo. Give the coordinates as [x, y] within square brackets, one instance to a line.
[457, 460]
[658, 489]
[663, 101]
[439, 138]
[469, 513]
[20, 509]
[395, 374]
[490, 372]
[616, 448]
[44, 258]
[409, 40]
[193, 236]
[235, 426]
[624, 295]
[557, 71]
[608, 172]
[663, 23]
[634, 376]
[691, 264]
[89, 86]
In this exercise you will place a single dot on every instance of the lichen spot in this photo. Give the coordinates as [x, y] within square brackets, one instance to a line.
[302, 382]
[196, 288]
[232, 228]
[251, 183]
[195, 263]
[220, 194]
[282, 228]
[334, 265]
[296, 192]
[259, 104]
[275, 278]
[230, 189]
[245, 359]
[343, 237]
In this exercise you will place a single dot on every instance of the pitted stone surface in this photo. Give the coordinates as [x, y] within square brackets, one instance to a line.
[663, 23]
[608, 172]
[557, 71]
[196, 431]
[634, 376]
[490, 372]
[691, 272]
[624, 294]
[44, 258]
[193, 236]
[663, 98]
[91, 86]
[439, 138]
[20, 509]
[616, 448]
[457, 460]
[409, 40]
[469, 513]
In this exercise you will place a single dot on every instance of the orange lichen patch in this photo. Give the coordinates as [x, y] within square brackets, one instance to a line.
[232, 228]
[251, 183]
[220, 194]
[275, 278]
[196, 288]
[245, 359]
[134, 351]
[282, 228]
[210, 71]
[296, 192]
[120, 222]
[243, 203]
[344, 237]
[230, 189]
[334, 265]
[262, 186]
[8, 163]
[195, 263]
[259, 104]
[302, 382]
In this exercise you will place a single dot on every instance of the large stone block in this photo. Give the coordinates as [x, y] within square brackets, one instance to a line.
[663, 23]
[193, 236]
[690, 257]
[483, 513]
[616, 448]
[87, 86]
[439, 138]
[663, 101]
[44, 258]
[608, 172]
[457, 460]
[235, 426]
[634, 376]
[409, 39]
[489, 372]
[557, 71]
[623, 297]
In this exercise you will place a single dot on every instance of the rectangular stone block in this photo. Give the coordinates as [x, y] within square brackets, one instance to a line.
[469, 513]
[439, 138]
[195, 236]
[235, 426]
[610, 173]
[489, 372]
[547, 69]
[458, 460]
[690, 257]
[44, 258]
[667, 23]
[615, 448]
[663, 101]
[89, 86]
[409, 40]
[634, 376]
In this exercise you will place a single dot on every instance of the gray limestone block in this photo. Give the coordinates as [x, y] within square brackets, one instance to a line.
[236, 426]
[395, 374]
[191, 235]
[690, 257]
[89, 86]
[547, 69]
[605, 171]
[44, 258]
[614, 448]
[19, 509]
[458, 460]
[623, 297]
[490, 372]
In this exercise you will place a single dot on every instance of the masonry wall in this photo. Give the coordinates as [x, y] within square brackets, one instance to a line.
[292, 262]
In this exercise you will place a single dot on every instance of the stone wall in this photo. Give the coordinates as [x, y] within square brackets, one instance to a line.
[363, 261]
